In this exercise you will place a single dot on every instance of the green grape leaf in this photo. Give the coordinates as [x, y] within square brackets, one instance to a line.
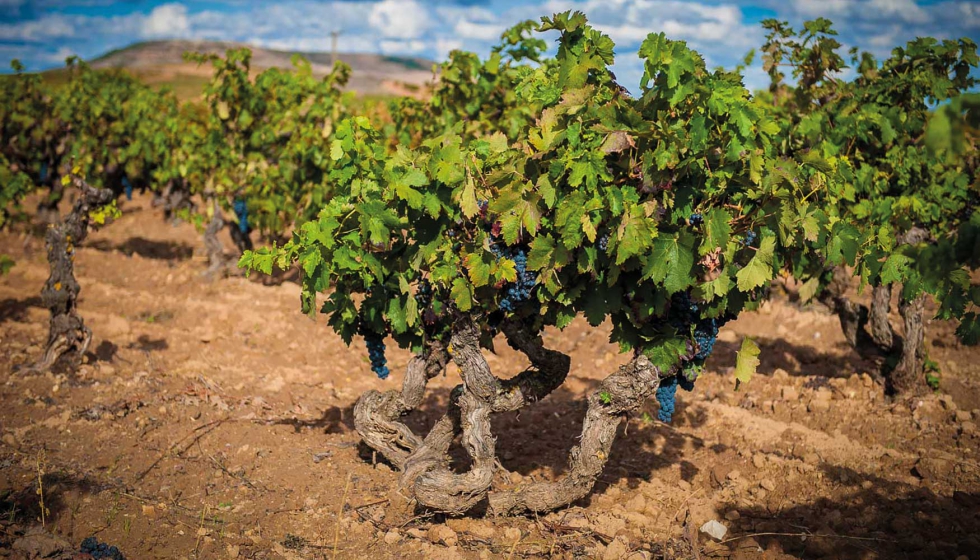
[758, 271]
[747, 361]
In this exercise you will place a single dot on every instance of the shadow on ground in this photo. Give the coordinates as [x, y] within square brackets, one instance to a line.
[147, 248]
[870, 517]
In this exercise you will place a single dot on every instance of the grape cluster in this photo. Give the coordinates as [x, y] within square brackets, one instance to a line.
[520, 291]
[750, 237]
[705, 334]
[683, 311]
[44, 172]
[667, 397]
[376, 352]
[696, 219]
[241, 212]
[128, 188]
[604, 242]
[97, 550]
[423, 294]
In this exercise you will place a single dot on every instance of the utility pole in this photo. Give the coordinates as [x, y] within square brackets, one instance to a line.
[333, 46]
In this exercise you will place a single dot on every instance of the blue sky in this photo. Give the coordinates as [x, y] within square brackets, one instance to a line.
[41, 33]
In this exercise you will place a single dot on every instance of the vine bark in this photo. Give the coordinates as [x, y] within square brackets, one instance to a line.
[427, 477]
[67, 333]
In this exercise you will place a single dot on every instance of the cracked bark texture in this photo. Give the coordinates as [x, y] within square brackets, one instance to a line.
[217, 261]
[377, 414]
[426, 476]
[881, 329]
[907, 376]
[618, 395]
[67, 333]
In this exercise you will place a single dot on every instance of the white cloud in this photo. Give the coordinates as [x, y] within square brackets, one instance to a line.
[400, 19]
[906, 10]
[167, 21]
[446, 46]
[717, 29]
[46, 28]
[466, 29]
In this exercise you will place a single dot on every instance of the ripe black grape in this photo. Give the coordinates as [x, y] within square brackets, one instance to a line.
[696, 219]
[519, 291]
[423, 294]
[241, 212]
[376, 352]
[667, 396]
[97, 550]
[128, 188]
[604, 242]
[705, 334]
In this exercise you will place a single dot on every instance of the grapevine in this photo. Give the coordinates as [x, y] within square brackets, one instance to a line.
[376, 354]
[241, 212]
[127, 188]
[99, 550]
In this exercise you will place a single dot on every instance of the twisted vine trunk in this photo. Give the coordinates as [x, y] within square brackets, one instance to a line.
[870, 332]
[426, 476]
[907, 377]
[67, 333]
[853, 316]
[881, 328]
[618, 395]
[217, 261]
[174, 198]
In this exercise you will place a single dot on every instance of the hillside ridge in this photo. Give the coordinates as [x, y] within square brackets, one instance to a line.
[371, 73]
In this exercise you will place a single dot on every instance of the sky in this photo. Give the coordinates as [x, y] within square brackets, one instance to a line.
[42, 33]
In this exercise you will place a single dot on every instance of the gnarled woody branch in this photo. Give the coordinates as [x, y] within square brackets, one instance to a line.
[426, 475]
[67, 334]
[376, 414]
[482, 393]
[618, 394]
[424, 463]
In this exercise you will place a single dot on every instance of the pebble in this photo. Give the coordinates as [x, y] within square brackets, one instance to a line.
[968, 428]
[947, 402]
[512, 534]
[443, 534]
[818, 405]
[714, 530]
[790, 394]
[636, 504]
[963, 416]
[616, 550]
[392, 536]
[759, 460]
[768, 484]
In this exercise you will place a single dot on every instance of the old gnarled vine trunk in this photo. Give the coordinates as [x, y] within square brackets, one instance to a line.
[217, 261]
[869, 331]
[67, 335]
[427, 479]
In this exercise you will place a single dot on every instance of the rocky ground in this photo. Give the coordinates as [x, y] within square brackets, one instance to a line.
[213, 420]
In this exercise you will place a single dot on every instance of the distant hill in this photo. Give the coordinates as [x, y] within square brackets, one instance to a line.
[161, 63]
